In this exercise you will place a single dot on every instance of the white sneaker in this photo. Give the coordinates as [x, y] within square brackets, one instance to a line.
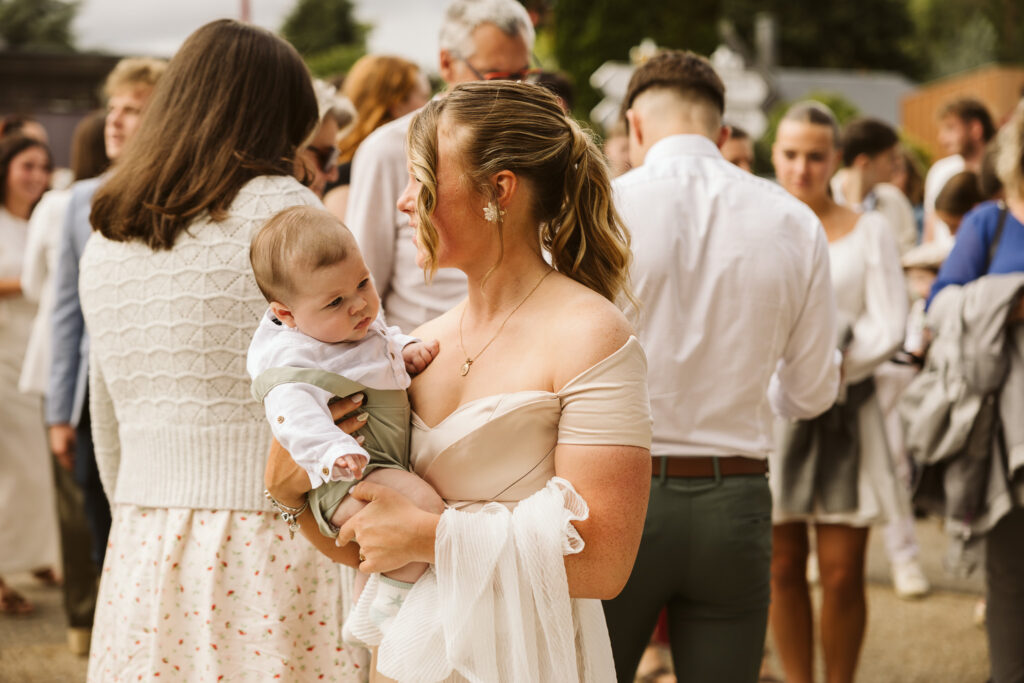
[909, 580]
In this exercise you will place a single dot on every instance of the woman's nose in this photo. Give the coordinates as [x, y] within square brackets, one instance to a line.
[407, 202]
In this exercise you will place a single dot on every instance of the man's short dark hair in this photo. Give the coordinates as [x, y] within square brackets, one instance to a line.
[683, 71]
[866, 136]
[968, 109]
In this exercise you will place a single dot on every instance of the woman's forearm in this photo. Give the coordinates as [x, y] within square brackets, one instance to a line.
[10, 286]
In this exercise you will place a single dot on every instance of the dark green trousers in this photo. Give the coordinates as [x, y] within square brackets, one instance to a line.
[706, 556]
[80, 574]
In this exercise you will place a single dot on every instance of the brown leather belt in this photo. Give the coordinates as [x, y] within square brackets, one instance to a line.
[683, 466]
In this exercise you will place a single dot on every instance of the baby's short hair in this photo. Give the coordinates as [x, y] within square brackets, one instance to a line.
[298, 239]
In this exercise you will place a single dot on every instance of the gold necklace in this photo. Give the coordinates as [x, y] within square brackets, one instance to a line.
[464, 368]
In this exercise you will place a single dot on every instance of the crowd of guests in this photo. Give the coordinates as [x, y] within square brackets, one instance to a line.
[609, 452]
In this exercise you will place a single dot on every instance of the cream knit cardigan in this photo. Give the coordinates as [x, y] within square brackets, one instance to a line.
[173, 420]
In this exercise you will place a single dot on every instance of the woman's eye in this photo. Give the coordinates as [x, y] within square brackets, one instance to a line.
[336, 302]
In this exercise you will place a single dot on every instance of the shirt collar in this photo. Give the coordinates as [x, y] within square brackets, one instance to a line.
[676, 145]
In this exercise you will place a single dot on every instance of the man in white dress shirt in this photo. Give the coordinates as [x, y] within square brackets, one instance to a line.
[480, 40]
[737, 316]
[965, 127]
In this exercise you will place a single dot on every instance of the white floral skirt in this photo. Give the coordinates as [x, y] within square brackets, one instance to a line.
[207, 595]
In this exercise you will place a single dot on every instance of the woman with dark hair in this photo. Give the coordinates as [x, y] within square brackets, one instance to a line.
[199, 581]
[532, 421]
[30, 541]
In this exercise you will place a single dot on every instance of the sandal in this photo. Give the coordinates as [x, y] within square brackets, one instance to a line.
[47, 577]
[12, 602]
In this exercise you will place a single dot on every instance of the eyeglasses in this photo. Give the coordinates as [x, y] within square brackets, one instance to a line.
[520, 75]
[326, 157]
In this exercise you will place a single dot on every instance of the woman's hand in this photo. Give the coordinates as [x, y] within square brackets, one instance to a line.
[390, 530]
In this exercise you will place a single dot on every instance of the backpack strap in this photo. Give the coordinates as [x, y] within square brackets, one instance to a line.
[993, 246]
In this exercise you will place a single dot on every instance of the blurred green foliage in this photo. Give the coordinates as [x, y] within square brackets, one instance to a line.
[39, 25]
[326, 34]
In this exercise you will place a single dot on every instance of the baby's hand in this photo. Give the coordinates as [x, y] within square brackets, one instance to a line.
[348, 467]
[418, 355]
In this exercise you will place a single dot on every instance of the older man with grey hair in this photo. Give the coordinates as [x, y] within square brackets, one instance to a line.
[480, 40]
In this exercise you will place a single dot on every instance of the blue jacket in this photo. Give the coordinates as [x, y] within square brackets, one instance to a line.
[69, 370]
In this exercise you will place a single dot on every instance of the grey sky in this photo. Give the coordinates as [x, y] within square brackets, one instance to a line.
[158, 27]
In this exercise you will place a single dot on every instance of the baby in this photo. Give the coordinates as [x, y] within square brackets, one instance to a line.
[322, 338]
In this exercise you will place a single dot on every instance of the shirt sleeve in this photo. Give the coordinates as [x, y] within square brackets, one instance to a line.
[608, 404]
[967, 261]
[68, 325]
[878, 330]
[377, 169]
[302, 423]
[806, 379]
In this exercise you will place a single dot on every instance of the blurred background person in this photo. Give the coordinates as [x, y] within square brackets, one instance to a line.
[990, 241]
[26, 478]
[616, 150]
[870, 152]
[961, 193]
[382, 88]
[128, 88]
[738, 149]
[909, 180]
[965, 127]
[834, 472]
[88, 160]
[559, 84]
[21, 124]
[316, 164]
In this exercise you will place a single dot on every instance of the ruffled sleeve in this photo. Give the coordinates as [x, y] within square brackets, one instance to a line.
[607, 404]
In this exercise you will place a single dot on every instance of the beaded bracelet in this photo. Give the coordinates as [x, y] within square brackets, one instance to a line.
[289, 514]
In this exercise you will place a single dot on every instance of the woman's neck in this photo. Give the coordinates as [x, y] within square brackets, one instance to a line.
[822, 206]
[18, 208]
[493, 294]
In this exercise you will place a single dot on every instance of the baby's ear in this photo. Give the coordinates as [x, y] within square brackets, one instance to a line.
[282, 313]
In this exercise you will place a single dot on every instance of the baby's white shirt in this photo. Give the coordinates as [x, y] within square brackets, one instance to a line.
[297, 412]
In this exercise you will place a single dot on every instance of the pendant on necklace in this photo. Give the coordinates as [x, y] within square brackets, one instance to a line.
[464, 370]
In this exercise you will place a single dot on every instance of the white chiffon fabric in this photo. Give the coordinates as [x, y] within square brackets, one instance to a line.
[496, 606]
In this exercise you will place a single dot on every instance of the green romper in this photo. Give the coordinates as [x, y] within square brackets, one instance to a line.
[386, 430]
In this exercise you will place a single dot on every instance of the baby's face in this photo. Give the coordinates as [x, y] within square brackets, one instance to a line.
[336, 303]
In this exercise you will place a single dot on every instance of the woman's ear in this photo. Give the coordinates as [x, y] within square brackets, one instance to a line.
[506, 185]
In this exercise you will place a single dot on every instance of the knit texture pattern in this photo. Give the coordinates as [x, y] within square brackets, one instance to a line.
[173, 420]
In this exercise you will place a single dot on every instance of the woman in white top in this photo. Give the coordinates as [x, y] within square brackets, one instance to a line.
[834, 471]
[536, 404]
[199, 583]
[26, 477]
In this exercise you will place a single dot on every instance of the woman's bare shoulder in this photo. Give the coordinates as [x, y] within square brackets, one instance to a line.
[585, 328]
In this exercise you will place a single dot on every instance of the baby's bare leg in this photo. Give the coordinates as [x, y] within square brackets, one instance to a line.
[412, 487]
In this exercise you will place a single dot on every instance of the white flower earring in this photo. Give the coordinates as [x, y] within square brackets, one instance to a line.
[492, 213]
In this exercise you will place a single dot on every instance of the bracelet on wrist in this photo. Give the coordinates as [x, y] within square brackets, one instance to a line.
[288, 513]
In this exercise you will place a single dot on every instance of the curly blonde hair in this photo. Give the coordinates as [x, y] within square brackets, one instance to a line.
[520, 127]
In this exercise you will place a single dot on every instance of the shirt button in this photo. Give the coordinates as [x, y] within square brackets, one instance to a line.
[280, 419]
[392, 354]
[326, 471]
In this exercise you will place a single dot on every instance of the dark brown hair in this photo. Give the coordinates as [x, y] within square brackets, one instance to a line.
[968, 109]
[235, 103]
[866, 136]
[684, 71]
[520, 127]
[10, 147]
[960, 194]
[88, 151]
